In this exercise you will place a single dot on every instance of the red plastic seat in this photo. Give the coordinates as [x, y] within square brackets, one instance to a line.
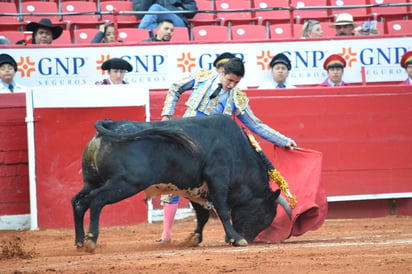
[13, 35]
[180, 34]
[318, 14]
[248, 32]
[64, 39]
[389, 11]
[122, 20]
[281, 15]
[210, 33]
[132, 34]
[203, 18]
[399, 27]
[9, 22]
[280, 31]
[84, 36]
[87, 19]
[327, 31]
[239, 17]
[357, 13]
[40, 7]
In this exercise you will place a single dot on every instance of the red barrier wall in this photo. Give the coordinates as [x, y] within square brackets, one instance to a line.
[14, 180]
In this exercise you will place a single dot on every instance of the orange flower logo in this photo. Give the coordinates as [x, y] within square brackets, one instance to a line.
[186, 62]
[263, 60]
[349, 56]
[25, 66]
[99, 62]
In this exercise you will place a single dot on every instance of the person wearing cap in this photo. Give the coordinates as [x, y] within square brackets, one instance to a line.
[44, 32]
[344, 25]
[280, 66]
[8, 69]
[116, 69]
[164, 32]
[216, 92]
[334, 66]
[406, 63]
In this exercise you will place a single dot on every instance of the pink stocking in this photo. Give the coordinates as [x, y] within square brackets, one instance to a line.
[169, 212]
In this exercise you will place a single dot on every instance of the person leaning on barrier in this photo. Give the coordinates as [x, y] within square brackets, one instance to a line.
[164, 32]
[116, 69]
[8, 69]
[344, 25]
[334, 66]
[406, 63]
[280, 66]
[312, 29]
[149, 21]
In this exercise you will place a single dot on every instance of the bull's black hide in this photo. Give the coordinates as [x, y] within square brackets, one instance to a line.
[208, 160]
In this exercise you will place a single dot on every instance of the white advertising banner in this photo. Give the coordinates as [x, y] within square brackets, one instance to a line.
[157, 66]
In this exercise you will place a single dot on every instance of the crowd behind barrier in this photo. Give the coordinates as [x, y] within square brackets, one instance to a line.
[393, 17]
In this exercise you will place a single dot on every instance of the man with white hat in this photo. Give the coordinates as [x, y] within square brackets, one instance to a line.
[344, 25]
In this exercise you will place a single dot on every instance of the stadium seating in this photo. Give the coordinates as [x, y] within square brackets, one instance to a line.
[9, 22]
[357, 13]
[281, 31]
[84, 36]
[238, 17]
[12, 35]
[87, 19]
[248, 32]
[210, 33]
[399, 27]
[273, 15]
[204, 18]
[64, 39]
[132, 34]
[34, 7]
[301, 15]
[123, 20]
[327, 30]
[389, 12]
[180, 34]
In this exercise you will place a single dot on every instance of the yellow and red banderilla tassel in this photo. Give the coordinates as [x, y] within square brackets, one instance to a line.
[275, 174]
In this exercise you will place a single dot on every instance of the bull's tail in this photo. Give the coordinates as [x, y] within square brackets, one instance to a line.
[174, 136]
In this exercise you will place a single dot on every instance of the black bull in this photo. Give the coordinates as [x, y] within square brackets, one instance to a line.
[208, 160]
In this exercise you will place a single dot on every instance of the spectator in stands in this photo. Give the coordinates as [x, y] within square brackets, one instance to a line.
[334, 66]
[164, 32]
[8, 69]
[344, 25]
[44, 32]
[312, 29]
[116, 69]
[406, 63]
[4, 40]
[106, 34]
[149, 21]
[280, 66]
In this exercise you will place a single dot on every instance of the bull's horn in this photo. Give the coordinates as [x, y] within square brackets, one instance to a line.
[283, 203]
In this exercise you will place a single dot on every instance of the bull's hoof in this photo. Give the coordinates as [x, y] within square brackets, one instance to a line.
[241, 242]
[90, 246]
[193, 239]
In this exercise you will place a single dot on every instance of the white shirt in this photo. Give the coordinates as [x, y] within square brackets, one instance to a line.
[4, 87]
[272, 84]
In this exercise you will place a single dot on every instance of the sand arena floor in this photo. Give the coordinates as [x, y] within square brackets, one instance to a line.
[378, 245]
